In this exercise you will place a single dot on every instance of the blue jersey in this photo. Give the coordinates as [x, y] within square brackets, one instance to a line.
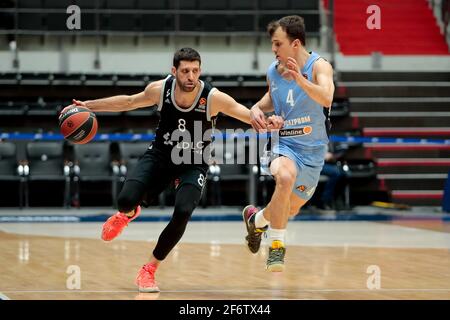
[305, 121]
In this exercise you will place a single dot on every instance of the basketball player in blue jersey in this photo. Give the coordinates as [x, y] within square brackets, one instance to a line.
[301, 92]
[185, 104]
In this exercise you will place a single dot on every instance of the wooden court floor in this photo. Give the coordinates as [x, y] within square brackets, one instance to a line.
[40, 267]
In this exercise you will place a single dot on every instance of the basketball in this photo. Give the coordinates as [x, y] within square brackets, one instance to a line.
[78, 125]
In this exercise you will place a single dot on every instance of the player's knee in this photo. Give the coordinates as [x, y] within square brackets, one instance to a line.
[285, 180]
[186, 200]
[183, 212]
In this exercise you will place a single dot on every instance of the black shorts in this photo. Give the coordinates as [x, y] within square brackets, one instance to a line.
[156, 171]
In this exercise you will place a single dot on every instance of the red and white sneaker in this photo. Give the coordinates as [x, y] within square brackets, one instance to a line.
[116, 223]
[145, 279]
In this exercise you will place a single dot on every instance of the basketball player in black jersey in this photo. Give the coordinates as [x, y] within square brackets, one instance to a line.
[188, 108]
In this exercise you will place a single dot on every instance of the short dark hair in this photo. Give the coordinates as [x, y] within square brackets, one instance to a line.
[294, 26]
[187, 54]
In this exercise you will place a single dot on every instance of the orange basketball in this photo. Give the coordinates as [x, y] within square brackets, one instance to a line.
[78, 125]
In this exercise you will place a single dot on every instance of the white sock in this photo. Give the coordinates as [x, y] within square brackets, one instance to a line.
[277, 234]
[260, 221]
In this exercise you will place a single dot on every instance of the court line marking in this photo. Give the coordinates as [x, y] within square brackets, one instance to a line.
[4, 297]
[233, 290]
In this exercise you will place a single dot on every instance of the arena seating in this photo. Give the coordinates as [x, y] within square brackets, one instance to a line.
[43, 95]
[164, 17]
[12, 176]
[93, 170]
[403, 106]
[49, 173]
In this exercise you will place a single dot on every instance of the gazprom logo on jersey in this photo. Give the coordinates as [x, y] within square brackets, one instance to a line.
[297, 121]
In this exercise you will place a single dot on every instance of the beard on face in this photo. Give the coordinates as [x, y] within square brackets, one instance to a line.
[184, 87]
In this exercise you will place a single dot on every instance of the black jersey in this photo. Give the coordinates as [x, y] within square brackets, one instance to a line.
[185, 133]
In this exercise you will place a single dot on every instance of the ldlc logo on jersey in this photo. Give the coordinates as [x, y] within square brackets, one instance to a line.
[201, 105]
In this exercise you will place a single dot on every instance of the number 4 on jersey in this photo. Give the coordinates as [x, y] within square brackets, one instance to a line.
[290, 98]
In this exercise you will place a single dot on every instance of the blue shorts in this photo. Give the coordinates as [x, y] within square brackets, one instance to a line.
[309, 162]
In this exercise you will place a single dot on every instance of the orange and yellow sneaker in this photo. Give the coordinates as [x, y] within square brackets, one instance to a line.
[275, 261]
[116, 223]
[145, 279]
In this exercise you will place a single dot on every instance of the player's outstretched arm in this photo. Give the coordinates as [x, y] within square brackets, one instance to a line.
[149, 97]
[257, 113]
[222, 102]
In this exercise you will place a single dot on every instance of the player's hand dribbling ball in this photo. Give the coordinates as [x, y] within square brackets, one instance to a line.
[78, 124]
